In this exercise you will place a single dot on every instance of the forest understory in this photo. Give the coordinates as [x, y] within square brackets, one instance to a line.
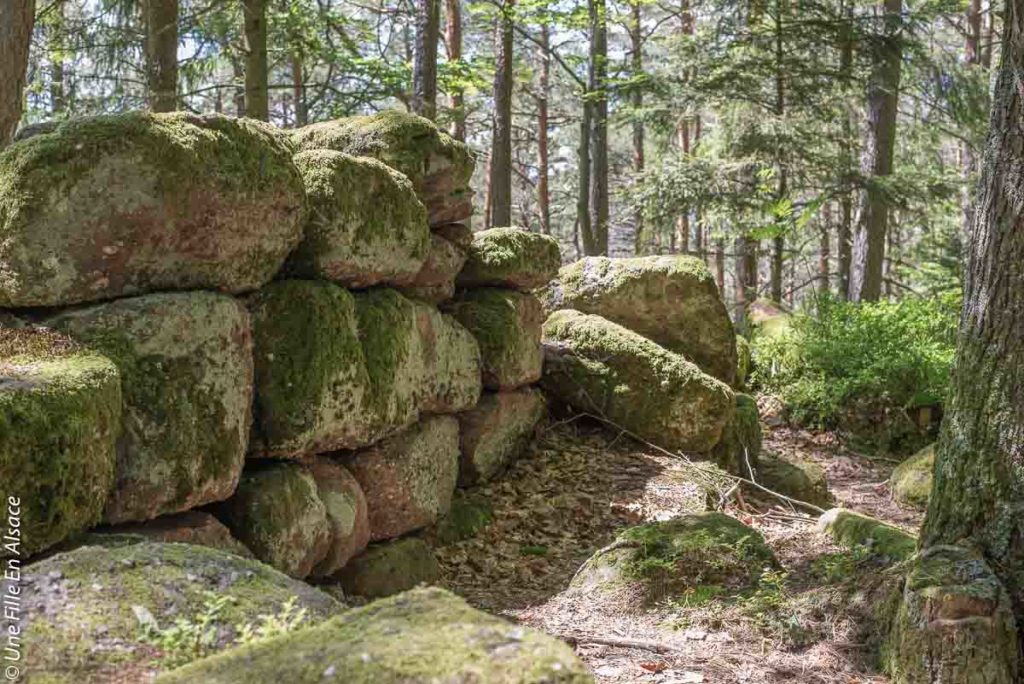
[581, 483]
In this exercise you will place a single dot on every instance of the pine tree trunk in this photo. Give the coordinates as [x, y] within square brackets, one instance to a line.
[501, 139]
[55, 46]
[583, 225]
[746, 281]
[598, 87]
[876, 164]
[544, 90]
[424, 71]
[972, 56]
[844, 234]
[683, 220]
[238, 71]
[637, 100]
[779, 240]
[824, 248]
[299, 90]
[964, 626]
[453, 38]
[720, 265]
[257, 102]
[16, 20]
[161, 54]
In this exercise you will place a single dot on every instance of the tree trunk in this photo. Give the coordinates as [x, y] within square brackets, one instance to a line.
[424, 69]
[637, 100]
[257, 103]
[824, 248]
[544, 90]
[16, 20]
[970, 632]
[844, 234]
[746, 281]
[972, 56]
[239, 79]
[876, 164]
[453, 31]
[161, 54]
[683, 220]
[501, 139]
[583, 225]
[720, 265]
[55, 45]
[598, 87]
[779, 240]
[299, 90]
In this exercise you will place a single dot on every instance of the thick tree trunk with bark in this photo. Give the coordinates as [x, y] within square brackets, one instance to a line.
[501, 139]
[257, 101]
[16, 20]
[598, 87]
[876, 164]
[453, 39]
[424, 67]
[161, 54]
[543, 92]
[964, 626]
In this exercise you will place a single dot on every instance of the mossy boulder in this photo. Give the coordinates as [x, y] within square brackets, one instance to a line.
[365, 225]
[470, 512]
[186, 368]
[668, 558]
[597, 366]
[495, 432]
[110, 206]
[389, 568]
[191, 527]
[672, 300]
[87, 610]
[507, 326]
[419, 637]
[740, 447]
[451, 362]
[347, 514]
[278, 514]
[435, 282]
[955, 622]
[408, 479]
[60, 417]
[911, 481]
[438, 165]
[856, 530]
[510, 257]
[794, 477]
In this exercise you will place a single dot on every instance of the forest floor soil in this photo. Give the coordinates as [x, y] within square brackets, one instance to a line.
[580, 483]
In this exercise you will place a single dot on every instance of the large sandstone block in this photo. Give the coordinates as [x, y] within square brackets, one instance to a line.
[495, 432]
[408, 479]
[672, 300]
[419, 637]
[389, 568]
[435, 281]
[191, 527]
[510, 257]
[347, 514]
[60, 416]
[278, 514]
[451, 361]
[438, 166]
[597, 366]
[110, 206]
[365, 225]
[507, 326]
[186, 371]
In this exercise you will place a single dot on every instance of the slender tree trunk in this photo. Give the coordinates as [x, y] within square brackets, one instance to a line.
[720, 265]
[972, 56]
[824, 248]
[487, 194]
[598, 87]
[844, 234]
[16, 20]
[746, 281]
[967, 629]
[683, 220]
[583, 225]
[501, 139]
[544, 90]
[55, 47]
[637, 100]
[239, 78]
[424, 71]
[257, 102]
[779, 241]
[876, 164]
[299, 89]
[453, 31]
[161, 54]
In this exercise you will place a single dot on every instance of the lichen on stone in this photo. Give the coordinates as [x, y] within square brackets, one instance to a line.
[510, 257]
[911, 481]
[389, 568]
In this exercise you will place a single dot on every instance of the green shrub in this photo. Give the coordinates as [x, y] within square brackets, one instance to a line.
[840, 356]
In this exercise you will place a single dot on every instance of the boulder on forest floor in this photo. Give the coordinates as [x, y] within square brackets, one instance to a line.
[495, 432]
[911, 481]
[662, 559]
[110, 206]
[389, 568]
[94, 614]
[365, 225]
[671, 300]
[186, 368]
[507, 327]
[856, 530]
[419, 637]
[60, 417]
[794, 477]
[597, 366]
[439, 166]
[512, 258]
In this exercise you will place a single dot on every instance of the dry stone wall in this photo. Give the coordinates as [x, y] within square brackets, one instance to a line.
[212, 326]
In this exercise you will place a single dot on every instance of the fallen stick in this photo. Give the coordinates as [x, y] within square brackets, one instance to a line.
[579, 639]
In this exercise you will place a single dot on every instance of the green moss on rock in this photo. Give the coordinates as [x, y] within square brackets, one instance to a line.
[347, 514]
[598, 366]
[507, 326]
[911, 481]
[740, 447]
[83, 607]
[510, 257]
[365, 225]
[278, 514]
[390, 568]
[110, 206]
[794, 477]
[452, 361]
[672, 300]
[185, 361]
[60, 417]
[438, 166]
[495, 432]
[853, 529]
[419, 637]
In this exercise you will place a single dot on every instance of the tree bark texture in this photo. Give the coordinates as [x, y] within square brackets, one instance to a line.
[424, 70]
[162, 54]
[543, 92]
[257, 101]
[16, 20]
[453, 38]
[501, 140]
[598, 87]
